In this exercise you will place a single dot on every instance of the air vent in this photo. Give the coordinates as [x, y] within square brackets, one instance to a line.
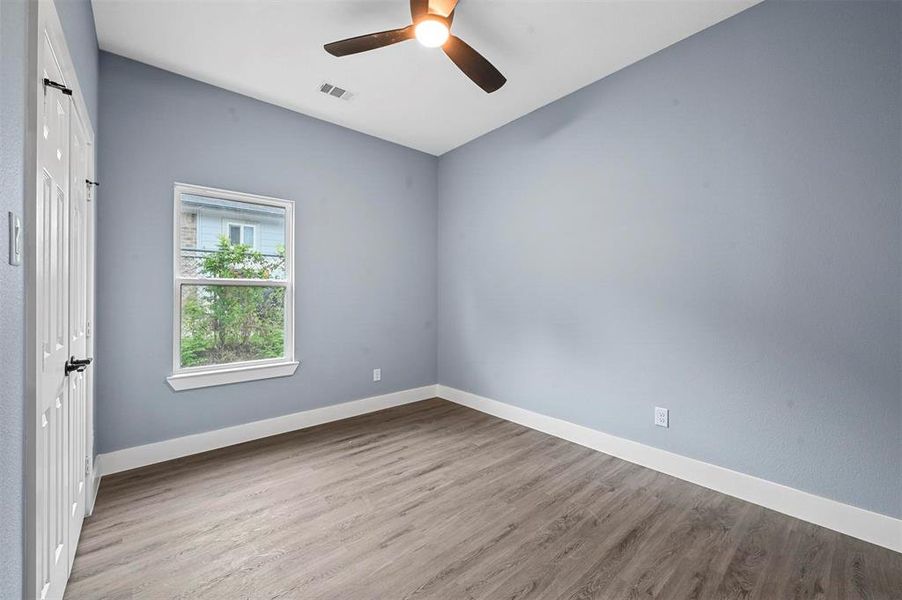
[335, 91]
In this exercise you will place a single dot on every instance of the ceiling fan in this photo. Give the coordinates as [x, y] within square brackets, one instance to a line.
[431, 27]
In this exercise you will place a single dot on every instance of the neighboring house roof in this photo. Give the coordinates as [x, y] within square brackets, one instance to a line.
[190, 200]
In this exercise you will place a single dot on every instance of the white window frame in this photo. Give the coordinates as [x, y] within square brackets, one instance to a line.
[184, 378]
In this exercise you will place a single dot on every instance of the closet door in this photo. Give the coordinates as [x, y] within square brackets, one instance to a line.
[78, 326]
[53, 428]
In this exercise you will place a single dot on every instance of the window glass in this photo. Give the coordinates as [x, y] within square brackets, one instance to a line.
[221, 238]
[225, 324]
[234, 235]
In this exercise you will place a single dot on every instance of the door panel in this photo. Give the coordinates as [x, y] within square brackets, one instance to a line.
[52, 277]
[78, 347]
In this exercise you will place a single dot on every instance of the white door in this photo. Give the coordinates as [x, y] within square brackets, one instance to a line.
[52, 449]
[63, 249]
[78, 326]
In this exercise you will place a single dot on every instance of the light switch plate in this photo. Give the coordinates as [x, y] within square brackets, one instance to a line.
[377, 374]
[16, 243]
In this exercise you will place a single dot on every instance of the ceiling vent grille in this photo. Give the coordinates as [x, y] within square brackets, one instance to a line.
[335, 91]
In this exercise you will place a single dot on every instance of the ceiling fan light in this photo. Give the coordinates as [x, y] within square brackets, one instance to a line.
[432, 33]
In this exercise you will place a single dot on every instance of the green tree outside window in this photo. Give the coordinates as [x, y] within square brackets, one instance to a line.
[223, 324]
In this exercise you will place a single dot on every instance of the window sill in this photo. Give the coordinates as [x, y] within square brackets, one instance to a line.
[190, 381]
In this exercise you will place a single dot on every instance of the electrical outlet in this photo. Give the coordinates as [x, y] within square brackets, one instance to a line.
[377, 374]
[662, 417]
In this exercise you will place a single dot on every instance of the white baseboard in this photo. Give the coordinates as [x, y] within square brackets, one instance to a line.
[863, 524]
[148, 454]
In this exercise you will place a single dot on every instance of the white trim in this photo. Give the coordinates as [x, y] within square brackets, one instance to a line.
[233, 281]
[220, 194]
[184, 378]
[872, 527]
[235, 366]
[91, 491]
[189, 380]
[148, 454]
[93, 488]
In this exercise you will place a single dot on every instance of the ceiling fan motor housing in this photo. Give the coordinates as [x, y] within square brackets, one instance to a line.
[432, 30]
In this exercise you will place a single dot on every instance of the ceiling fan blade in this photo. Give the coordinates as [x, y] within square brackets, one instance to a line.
[370, 41]
[443, 8]
[473, 64]
[418, 9]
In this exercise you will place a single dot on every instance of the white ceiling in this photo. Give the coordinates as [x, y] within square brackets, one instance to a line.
[273, 50]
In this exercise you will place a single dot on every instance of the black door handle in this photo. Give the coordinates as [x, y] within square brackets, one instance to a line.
[77, 365]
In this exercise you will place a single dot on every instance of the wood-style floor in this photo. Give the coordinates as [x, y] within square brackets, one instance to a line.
[433, 500]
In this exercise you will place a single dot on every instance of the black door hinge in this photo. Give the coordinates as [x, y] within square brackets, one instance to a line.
[48, 83]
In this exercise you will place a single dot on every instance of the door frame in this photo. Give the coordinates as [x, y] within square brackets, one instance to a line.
[41, 15]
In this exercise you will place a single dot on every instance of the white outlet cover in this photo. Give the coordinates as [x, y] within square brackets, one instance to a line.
[377, 374]
[662, 417]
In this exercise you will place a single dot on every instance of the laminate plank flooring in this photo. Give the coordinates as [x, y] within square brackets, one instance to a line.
[434, 500]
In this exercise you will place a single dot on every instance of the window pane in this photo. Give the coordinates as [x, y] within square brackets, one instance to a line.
[211, 243]
[223, 324]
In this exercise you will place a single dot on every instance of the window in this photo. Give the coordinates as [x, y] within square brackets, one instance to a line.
[233, 288]
[241, 234]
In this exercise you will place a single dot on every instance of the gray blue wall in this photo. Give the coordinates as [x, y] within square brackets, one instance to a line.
[717, 230]
[365, 252]
[13, 20]
[78, 25]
